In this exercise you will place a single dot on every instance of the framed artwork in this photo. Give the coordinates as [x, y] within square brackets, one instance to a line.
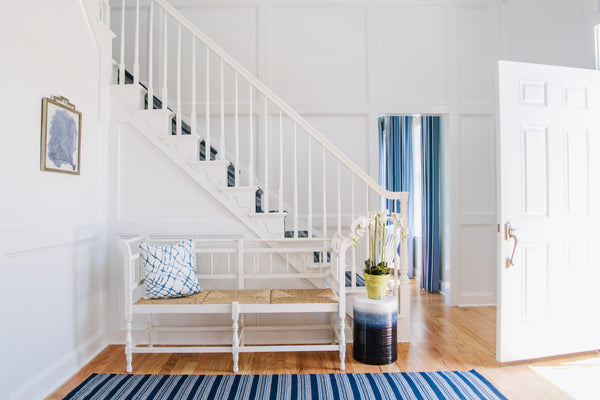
[61, 136]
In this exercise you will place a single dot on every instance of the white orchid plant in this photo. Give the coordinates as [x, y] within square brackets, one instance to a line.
[375, 224]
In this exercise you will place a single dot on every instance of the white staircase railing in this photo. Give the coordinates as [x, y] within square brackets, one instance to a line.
[272, 155]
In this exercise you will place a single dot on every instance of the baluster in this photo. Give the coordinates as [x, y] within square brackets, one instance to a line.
[251, 137]
[266, 157]
[367, 199]
[237, 133]
[235, 340]
[136, 50]
[122, 61]
[353, 276]
[309, 191]
[280, 162]
[395, 260]
[178, 108]
[193, 113]
[207, 122]
[295, 183]
[222, 141]
[324, 198]
[164, 92]
[339, 200]
[150, 57]
[404, 247]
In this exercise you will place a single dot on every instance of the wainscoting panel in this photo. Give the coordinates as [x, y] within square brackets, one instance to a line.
[475, 55]
[478, 264]
[54, 295]
[318, 53]
[477, 165]
[425, 61]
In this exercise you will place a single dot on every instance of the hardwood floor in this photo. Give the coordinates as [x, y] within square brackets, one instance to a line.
[443, 338]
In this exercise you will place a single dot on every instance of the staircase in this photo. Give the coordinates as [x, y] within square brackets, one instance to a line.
[259, 183]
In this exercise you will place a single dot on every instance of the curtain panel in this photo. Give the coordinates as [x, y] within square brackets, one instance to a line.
[430, 164]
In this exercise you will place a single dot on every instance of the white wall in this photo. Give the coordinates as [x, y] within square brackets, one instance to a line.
[592, 18]
[52, 233]
[547, 32]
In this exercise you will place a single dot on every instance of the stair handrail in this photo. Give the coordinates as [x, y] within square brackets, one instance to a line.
[276, 100]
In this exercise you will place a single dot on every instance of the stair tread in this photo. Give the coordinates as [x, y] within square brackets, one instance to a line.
[271, 214]
[224, 163]
[251, 189]
[180, 137]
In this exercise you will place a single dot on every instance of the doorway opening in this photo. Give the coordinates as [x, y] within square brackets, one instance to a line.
[411, 159]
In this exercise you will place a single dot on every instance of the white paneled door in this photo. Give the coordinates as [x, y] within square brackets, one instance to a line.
[549, 267]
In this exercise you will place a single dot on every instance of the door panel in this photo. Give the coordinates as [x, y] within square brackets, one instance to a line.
[549, 147]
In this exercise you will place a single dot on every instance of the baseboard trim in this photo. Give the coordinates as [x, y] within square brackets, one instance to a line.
[444, 288]
[483, 299]
[44, 383]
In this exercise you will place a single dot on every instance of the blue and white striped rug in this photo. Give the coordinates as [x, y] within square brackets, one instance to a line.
[405, 385]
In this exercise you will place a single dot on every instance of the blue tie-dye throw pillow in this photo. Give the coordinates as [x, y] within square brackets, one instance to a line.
[169, 270]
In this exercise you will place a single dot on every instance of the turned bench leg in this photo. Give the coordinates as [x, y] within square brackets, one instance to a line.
[128, 345]
[235, 348]
[341, 325]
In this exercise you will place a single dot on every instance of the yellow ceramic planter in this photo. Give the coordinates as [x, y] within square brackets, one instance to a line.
[377, 285]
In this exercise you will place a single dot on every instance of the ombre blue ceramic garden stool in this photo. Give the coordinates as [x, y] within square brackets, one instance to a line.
[375, 337]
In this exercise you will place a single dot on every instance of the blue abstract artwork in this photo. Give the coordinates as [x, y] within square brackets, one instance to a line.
[62, 142]
[61, 135]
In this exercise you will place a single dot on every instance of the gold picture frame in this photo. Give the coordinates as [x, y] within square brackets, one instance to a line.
[61, 136]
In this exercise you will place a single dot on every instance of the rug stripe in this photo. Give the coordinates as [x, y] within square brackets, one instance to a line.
[215, 386]
[99, 390]
[335, 391]
[435, 388]
[470, 385]
[376, 391]
[491, 387]
[354, 386]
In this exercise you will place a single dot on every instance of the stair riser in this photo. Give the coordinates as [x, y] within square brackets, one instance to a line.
[185, 146]
[216, 173]
[129, 97]
[245, 201]
[155, 123]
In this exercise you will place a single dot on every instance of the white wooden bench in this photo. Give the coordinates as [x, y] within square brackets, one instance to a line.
[260, 277]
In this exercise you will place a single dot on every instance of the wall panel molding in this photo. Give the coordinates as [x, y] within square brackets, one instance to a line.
[43, 383]
[477, 155]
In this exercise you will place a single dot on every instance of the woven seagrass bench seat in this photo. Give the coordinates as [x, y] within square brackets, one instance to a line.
[251, 296]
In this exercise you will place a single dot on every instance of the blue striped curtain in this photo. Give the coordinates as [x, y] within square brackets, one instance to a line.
[395, 166]
[430, 162]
